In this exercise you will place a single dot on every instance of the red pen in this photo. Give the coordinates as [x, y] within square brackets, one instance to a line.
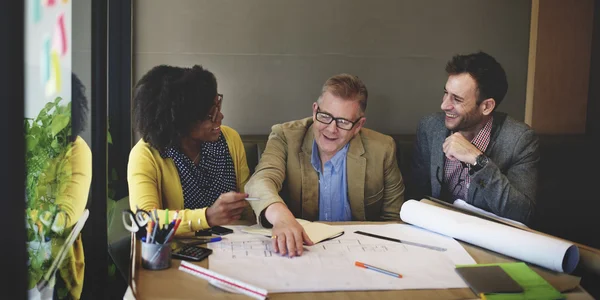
[172, 233]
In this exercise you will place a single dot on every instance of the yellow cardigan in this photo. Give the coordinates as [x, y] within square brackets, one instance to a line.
[154, 182]
[72, 201]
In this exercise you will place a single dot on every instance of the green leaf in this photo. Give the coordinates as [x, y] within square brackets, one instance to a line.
[62, 292]
[59, 123]
[110, 210]
[31, 142]
[108, 137]
[35, 130]
[44, 111]
[55, 145]
[112, 269]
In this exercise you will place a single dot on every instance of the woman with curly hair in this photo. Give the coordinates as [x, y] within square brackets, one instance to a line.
[186, 160]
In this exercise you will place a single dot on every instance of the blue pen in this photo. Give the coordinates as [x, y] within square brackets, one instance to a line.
[204, 241]
[154, 230]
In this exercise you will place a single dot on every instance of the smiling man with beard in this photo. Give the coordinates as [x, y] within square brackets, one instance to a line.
[327, 167]
[471, 152]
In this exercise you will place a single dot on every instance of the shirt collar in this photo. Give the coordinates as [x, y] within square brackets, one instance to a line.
[482, 139]
[336, 160]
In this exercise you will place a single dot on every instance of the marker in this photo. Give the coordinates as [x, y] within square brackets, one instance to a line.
[166, 217]
[363, 265]
[149, 231]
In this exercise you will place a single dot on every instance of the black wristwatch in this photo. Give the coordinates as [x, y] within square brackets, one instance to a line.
[480, 162]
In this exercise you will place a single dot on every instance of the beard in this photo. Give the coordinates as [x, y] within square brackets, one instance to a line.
[466, 122]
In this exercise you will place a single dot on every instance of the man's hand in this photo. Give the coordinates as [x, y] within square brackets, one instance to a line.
[226, 209]
[456, 147]
[288, 234]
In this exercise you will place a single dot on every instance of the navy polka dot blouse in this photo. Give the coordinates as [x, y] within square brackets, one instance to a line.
[202, 184]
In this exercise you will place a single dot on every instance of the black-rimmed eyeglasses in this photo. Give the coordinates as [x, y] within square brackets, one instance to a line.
[216, 109]
[341, 123]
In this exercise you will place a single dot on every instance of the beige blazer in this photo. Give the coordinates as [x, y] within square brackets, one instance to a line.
[285, 174]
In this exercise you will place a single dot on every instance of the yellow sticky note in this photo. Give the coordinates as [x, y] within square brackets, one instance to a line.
[56, 70]
[54, 85]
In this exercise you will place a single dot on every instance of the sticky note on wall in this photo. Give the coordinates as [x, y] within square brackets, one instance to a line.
[36, 10]
[54, 85]
[45, 60]
[59, 40]
[63, 33]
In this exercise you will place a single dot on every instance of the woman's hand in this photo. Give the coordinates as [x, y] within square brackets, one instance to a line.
[226, 209]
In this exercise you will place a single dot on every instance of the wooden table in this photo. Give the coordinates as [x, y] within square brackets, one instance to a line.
[174, 284]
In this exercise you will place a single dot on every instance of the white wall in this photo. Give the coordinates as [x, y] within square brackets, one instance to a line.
[271, 57]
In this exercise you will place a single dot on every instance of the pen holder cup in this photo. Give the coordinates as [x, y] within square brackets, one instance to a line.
[156, 256]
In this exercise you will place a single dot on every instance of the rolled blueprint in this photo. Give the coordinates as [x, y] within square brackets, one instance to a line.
[551, 253]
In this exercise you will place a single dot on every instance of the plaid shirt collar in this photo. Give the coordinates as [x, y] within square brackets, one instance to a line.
[482, 139]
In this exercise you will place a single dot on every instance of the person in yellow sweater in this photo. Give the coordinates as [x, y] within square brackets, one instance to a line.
[186, 161]
[73, 176]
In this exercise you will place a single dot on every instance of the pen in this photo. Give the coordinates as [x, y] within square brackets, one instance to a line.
[172, 232]
[401, 241]
[155, 229]
[363, 265]
[252, 199]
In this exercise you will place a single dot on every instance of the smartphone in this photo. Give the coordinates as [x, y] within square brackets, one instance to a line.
[205, 232]
[191, 253]
[218, 230]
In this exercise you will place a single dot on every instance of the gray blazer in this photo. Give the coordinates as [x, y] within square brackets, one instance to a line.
[507, 186]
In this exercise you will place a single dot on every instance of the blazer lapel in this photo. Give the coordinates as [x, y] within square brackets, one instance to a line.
[356, 166]
[310, 179]
[437, 161]
[497, 123]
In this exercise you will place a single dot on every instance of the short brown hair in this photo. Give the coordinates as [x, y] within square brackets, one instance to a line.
[348, 87]
[487, 72]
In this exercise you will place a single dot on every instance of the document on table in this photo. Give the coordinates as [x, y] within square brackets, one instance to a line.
[548, 252]
[329, 265]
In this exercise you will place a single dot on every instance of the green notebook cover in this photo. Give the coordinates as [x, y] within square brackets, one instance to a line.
[534, 286]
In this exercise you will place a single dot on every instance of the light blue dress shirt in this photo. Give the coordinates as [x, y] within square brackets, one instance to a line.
[333, 186]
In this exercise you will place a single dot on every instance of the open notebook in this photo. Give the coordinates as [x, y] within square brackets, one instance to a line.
[317, 232]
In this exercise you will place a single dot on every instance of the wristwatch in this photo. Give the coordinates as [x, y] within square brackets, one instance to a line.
[480, 162]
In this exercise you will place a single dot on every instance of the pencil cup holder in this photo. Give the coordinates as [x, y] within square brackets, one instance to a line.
[156, 256]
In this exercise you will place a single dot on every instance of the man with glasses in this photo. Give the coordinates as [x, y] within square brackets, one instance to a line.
[472, 152]
[326, 167]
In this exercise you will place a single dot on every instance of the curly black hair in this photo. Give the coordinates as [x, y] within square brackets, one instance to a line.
[79, 107]
[169, 100]
[487, 72]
